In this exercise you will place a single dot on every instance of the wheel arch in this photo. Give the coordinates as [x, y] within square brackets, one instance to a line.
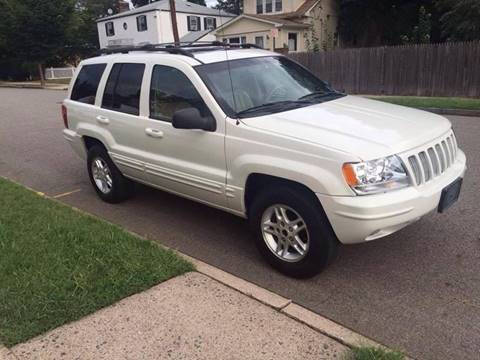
[256, 182]
[90, 141]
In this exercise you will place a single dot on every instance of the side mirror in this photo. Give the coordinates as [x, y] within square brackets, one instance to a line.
[190, 118]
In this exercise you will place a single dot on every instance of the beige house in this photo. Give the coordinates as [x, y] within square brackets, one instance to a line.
[296, 25]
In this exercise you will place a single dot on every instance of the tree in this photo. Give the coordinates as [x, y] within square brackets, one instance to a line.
[35, 31]
[230, 6]
[421, 32]
[82, 35]
[460, 19]
[386, 22]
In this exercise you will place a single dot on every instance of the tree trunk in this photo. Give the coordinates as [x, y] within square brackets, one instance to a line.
[42, 76]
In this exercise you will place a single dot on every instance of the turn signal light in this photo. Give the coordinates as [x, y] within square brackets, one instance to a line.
[349, 174]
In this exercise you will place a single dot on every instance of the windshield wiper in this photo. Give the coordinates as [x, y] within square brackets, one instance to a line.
[277, 104]
[321, 95]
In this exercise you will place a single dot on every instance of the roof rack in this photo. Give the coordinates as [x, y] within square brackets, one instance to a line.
[180, 48]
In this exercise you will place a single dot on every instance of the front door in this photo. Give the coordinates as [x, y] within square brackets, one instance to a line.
[187, 162]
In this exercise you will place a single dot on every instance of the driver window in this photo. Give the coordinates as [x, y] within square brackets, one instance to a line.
[171, 90]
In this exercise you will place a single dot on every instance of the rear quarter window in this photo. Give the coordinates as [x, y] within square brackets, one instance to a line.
[86, 85]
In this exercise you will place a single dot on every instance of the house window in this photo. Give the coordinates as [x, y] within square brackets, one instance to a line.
[193, 23]
[259, 41]
[259, 6]
[142, 23]
[236, 40]
[292, 41]
[278, 5]
[268, 6]
[109, 28]
[209, 23]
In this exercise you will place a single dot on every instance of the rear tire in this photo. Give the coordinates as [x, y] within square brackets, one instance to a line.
[109, 183]
[316, 240]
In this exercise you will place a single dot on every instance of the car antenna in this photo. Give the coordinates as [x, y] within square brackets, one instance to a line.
[237, 122]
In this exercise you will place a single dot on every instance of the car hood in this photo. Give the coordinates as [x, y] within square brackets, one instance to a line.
[366, 128]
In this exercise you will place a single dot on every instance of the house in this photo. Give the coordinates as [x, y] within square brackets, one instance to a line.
[296, 25]
[152, 24]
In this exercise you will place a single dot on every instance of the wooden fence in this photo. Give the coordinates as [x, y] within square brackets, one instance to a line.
[449, 69]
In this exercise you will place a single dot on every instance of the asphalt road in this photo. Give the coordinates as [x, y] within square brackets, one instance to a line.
[417, 290]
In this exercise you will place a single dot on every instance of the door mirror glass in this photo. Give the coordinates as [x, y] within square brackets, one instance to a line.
[190, 118]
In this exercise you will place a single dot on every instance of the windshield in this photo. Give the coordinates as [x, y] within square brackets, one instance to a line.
[263, 85]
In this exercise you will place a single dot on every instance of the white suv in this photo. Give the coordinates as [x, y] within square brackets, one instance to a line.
[253, 133]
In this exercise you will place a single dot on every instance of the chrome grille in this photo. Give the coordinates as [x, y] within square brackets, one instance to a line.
[441, 157]
[425, 165]
[433, 161]
[416, 169]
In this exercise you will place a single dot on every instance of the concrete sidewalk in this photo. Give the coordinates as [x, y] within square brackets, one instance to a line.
[189, 317]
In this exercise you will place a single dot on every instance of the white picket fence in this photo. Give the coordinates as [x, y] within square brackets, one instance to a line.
[59, 73]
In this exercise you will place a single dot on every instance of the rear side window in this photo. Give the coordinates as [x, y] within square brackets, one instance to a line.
[86, 84]
[122, 92]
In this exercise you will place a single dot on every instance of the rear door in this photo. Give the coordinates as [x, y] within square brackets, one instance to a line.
[120, 120]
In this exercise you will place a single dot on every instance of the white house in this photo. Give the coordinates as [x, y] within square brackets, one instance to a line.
[152, 24]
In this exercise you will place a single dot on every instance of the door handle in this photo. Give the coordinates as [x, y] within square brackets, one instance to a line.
[154, 133]
[103, 120]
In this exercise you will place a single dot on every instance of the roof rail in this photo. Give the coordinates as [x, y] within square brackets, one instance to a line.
[181, 48]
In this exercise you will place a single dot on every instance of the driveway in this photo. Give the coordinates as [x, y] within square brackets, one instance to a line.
[417, 290]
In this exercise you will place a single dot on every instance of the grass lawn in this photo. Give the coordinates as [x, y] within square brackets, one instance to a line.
[59, 81]
[371, 353]
[58, 265]
[432, 102]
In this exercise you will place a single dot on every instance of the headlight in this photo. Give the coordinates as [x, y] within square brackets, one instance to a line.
[376, 176]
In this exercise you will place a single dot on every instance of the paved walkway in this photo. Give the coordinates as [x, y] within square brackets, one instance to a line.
[188, 317]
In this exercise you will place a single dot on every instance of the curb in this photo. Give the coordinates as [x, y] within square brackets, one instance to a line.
[251, 290]
[20, 86]
[440, 111]
[455, 112]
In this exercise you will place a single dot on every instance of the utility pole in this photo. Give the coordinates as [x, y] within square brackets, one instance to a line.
[173, 16]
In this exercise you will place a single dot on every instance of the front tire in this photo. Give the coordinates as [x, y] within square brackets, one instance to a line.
[109, 183]
[292, 231]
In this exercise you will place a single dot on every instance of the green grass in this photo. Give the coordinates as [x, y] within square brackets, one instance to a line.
[372, 353]
[432, 102]
[58, 265]
[59, 81]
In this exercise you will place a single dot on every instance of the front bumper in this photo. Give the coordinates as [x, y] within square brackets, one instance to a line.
[357, 219]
